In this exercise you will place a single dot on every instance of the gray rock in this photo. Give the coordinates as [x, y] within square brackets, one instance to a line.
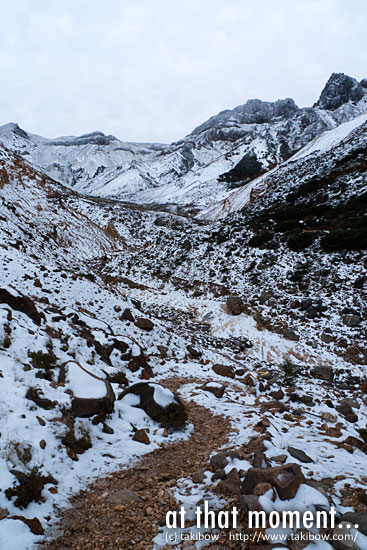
[220, 460]
[231, 484]
[291, 335]
[224, 370]
[323, 373]
[341, 541]
[125, 495]
[198, 476]
[249, 503]
[357, 518]
[300, 455]
[216, 389]
[351, 320]
[234, 305]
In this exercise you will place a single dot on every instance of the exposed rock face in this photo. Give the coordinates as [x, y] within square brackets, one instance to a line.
[165, 407]
[340, 89]
[285, 479]
[254, 111]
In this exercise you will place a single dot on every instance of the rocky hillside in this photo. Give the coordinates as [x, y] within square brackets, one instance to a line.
[171, 359]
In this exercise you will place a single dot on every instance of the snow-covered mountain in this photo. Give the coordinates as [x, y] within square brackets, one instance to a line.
[234, 146]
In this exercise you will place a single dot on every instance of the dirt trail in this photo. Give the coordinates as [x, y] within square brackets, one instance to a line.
[92, 522]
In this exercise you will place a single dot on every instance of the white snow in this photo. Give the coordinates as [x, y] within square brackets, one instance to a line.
[162, 396]
[82, 384]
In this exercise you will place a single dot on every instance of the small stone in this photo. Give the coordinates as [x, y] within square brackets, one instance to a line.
[249, 503]
[142, 437]
[248, 380]
[199, 476]
[291, 335]
[107, 429]
[280, 459]
[215, 388]
[300, 455]
[34, 524]
[220, 460]
[224, 370]
[127, 315]
[144, 324]
[323, 373]
[326, 337]
[219, 474]
[42, 443]
[328, 417]
[195, 353]
[120, 508]
[3, 513]
[234, 305]
[123, 496]
[262, 488]
[231, 484]
[351, 321]
[71, 454]
[41, 421]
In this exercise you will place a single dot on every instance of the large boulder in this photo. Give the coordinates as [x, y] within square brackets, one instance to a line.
[91, 394]
[20, 303]
[159, 403]
[285, 479]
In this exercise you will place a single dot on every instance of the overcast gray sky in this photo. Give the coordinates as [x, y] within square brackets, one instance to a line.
[152, 70]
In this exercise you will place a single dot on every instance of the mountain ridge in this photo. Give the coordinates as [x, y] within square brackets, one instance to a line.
[193, 170]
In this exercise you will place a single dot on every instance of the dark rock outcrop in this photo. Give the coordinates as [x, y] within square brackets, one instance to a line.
[22, 304]
[339, 89]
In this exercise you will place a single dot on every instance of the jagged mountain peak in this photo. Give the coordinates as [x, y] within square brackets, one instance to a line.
[13, 127]
[339, 89]
[254, 111]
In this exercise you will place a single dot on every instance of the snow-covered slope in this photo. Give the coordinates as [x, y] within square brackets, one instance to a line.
[324, 143]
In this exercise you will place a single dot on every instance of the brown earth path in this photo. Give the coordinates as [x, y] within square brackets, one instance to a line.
[93, 523]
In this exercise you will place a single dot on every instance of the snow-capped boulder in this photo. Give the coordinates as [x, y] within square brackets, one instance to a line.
[159, 403]
[90, 394]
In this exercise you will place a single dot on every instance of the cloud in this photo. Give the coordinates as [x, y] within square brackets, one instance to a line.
[152, 71]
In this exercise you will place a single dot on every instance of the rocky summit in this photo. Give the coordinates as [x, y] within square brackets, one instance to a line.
[185, 323]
